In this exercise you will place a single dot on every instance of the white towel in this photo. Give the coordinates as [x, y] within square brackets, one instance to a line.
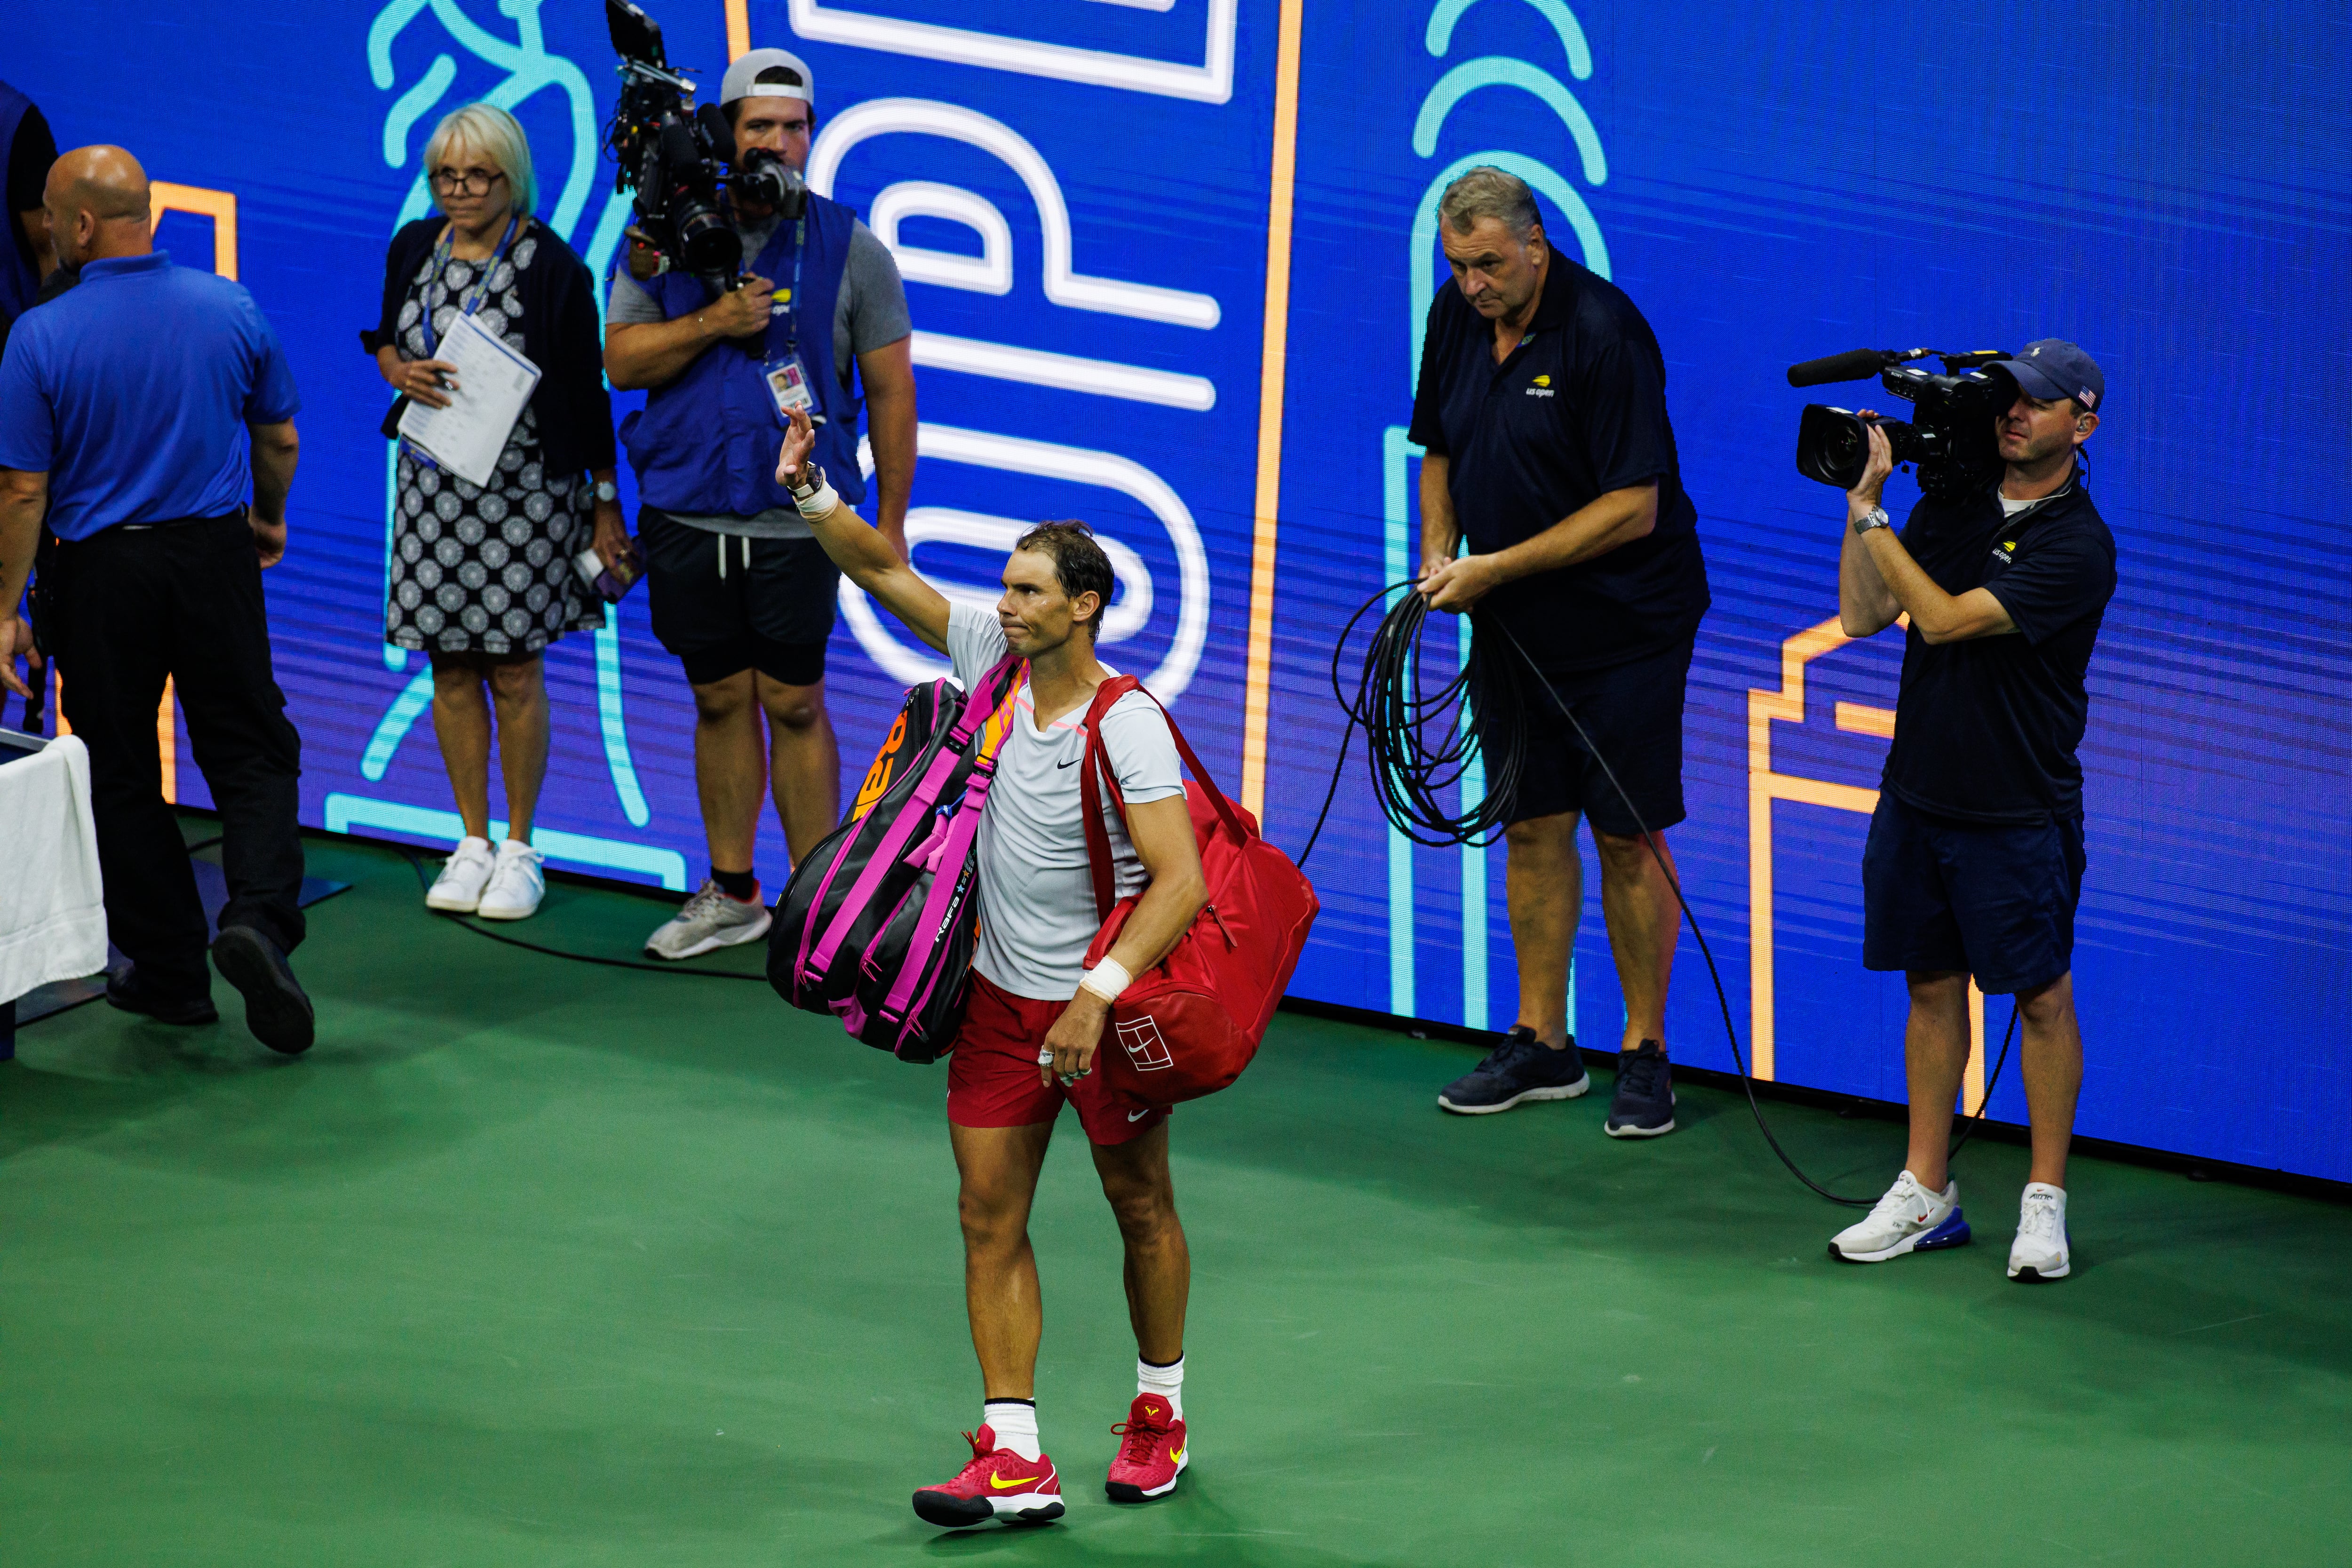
[52, 903]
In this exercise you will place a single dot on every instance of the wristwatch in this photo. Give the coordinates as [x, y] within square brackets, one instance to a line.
[1874, 517]
[606, 490]
[807, 482]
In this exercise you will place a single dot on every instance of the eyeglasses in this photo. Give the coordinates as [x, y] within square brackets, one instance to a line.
[471, 183]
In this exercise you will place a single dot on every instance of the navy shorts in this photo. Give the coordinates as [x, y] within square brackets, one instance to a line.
[1633, 713]
[723, 603]
[1992, 899]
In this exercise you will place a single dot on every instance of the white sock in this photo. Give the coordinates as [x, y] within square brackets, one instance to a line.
[1168, 1382]
[514, 847]
[1015, 1424]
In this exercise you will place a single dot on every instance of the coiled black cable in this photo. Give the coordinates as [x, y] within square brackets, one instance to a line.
[1487, 698]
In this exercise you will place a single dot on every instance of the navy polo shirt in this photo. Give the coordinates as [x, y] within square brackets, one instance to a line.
[1578, 409]
[1986, 729]
[132, 391]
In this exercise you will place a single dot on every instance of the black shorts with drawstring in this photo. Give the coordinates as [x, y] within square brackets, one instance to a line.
[723, 603]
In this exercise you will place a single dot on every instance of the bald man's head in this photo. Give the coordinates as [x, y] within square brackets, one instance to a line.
[98, 204]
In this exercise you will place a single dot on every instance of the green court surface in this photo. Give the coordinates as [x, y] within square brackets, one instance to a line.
[531, 1262]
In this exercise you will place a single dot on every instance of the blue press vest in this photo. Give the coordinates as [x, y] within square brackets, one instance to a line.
[707, 442]
[18, 286]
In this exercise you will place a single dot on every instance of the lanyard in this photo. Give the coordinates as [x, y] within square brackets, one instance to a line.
[472, 300]
[792, 294]
[793, 300]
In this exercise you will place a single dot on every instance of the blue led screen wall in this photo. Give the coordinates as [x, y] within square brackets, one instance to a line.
[1122, 224]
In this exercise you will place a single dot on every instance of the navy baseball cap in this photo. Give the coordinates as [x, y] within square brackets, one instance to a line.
[2053, 367]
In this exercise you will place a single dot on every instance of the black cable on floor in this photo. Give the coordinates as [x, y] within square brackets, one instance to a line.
[417, 864]
[1392, 705]
[1990, 1084]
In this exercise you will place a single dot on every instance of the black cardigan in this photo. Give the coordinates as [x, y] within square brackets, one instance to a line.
[559, 334]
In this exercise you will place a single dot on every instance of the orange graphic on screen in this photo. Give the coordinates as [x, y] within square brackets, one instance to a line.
[1765, 786]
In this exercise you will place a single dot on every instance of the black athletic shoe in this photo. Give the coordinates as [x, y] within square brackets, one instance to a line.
[277, 1009]
[1644, 1104]
[1522, 1067]
[123, 991]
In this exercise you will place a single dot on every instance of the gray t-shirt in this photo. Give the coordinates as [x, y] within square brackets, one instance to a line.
[1036, 896]
[869, 312]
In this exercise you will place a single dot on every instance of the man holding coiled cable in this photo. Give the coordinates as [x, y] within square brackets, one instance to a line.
[1542, 412]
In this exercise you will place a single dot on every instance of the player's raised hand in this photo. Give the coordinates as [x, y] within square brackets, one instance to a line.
[800, 439]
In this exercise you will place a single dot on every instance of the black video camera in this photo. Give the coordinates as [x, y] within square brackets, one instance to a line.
[1951, 440]
[675, 155]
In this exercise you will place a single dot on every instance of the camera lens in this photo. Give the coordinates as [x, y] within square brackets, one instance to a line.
[706, 243]
[1831, 446]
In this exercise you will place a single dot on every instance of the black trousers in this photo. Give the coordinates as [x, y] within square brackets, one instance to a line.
[127, 607]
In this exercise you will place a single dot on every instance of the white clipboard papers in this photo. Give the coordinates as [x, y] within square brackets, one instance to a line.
[494, 383]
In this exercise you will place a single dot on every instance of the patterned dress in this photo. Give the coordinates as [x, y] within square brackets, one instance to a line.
[475, 568]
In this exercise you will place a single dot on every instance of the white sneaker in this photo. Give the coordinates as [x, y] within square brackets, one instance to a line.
[458, 888]
[517, 884]
[710, 921]
[2040, 1251]
[1909, 1219]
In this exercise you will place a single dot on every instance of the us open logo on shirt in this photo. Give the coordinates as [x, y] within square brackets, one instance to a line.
[2005, 552]
[1144, 1047]
[1541, 387]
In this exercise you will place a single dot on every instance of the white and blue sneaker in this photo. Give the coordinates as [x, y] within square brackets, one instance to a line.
[1521, 1068]
[2041, 1251]
[1909, 1219]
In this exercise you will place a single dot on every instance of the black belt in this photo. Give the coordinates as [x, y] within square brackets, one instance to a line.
[237, 516]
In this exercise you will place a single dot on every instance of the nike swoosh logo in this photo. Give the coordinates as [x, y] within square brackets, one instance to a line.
[1176, 1458]
[1000, 1484]
[1138, 1115]
[1072, 763]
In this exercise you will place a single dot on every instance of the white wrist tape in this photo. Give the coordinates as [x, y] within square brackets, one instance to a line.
[1106, 979]
[820, 504]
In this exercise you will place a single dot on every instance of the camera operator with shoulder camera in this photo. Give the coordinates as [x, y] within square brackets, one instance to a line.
[741, 593]
[1974, 862]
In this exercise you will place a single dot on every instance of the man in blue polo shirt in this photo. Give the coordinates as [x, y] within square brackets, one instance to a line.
[1542, 409]
[126, 409]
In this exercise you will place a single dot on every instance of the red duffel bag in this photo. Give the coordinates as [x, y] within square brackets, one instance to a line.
[1189, 1023]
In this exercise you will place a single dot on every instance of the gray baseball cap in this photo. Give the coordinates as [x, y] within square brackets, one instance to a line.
[2053, 367]
[738, 82]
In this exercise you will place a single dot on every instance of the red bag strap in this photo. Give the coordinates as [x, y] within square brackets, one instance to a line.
[1096, 765]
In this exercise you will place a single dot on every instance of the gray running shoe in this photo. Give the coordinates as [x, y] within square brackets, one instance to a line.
[710, 921]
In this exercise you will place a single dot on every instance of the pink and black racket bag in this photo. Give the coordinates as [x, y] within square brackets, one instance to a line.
[878, 923]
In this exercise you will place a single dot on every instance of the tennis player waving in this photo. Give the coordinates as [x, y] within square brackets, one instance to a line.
[1036, 1016]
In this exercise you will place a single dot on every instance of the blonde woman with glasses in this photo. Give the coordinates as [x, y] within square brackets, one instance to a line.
[481, 576]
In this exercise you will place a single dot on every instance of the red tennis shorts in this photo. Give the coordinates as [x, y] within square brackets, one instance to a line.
[993, 1073]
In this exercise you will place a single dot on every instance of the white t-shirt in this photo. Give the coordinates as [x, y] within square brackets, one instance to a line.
[1036, 897]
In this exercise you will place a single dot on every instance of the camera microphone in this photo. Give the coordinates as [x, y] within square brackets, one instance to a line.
[713, 120]
[1855, 365]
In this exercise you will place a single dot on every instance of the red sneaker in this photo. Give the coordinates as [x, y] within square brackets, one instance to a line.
[997, 1484]
[1152, 1456]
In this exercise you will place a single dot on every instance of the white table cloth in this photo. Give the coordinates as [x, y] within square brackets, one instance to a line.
[52, 903]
